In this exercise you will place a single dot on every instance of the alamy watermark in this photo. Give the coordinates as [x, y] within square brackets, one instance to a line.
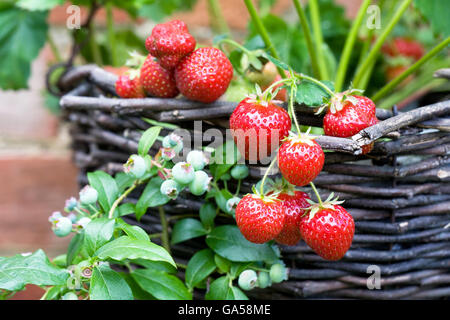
[74, 19]
[374, 280]
[374, 17]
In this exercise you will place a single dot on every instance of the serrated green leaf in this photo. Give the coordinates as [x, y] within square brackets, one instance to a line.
[310, 94]
[151, 197]
[107, 284]
[106, 187]
[228, 242]
[126, 247]
[186, 229]
[161, 285]
[199, 267]
[147, 140]
[97, 233]
[19, 270]
[22, 35]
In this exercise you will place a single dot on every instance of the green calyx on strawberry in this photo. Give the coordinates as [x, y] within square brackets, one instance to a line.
[338, 101]
[300, 159]
[328, 228]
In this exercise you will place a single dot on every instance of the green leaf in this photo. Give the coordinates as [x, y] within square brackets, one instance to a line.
[147, 140]
[277, 62]
[127, 247]
[132, 231]
[222, 263]
[185, 229]
[54, 293]
[221, 199]
[106, 284]
[437, 13]
[19, 270]
[200, 267]
[151, 197]
[22, 35]
[207, 215]
[123, 181]
[311, 94]
[137, 291]
[161, 285]
[126, 208]
[97, 233]
[222, 289]
[106, 187]
[228, 242]
[156, 265]
[39, 5]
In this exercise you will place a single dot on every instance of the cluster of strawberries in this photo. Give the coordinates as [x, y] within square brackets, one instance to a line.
[282, 213]
[174, 66]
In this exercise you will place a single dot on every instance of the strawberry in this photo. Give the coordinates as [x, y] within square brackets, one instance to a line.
[170, 42]
[404, 47]
[328, 229]
[156, 80]
[204, 75]
[265, 76]
[259, 218]
[348, 115]
[128, 85]
[294, 204]
[258, 127]
[300, 159]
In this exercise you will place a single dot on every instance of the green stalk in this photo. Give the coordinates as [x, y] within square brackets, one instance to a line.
[379, 43]
[307, 34]
[119, 200]
[261, 189]
[54, 48]
[392, 84]
[219, 22]
[165, 229]
[291, 108]
[316, 193]
[318, 39]
[263, 33]
[348, 47]
[111, 36]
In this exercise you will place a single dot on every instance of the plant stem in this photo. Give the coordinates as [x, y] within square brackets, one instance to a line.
[119, 200]
[155, 235]
[233, 43]
[54, 47]
[348, 47]
[316, 193]
[318, 39]
[238, 188]
[165, 229]
[218, 21]
[261, 189]
[291, 108]
[111, 36]
[263, 33]
[392, 84]
[378, 44]
[307, 34]
[181, 265]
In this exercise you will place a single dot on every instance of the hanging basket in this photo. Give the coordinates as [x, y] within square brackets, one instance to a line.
[398, 195]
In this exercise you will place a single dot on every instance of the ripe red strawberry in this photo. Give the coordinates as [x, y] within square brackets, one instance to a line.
[204, 75]
[170, 42]
[258, 127]
[259, 219]
[300, 159]
[404, 47]
[328, 231]
[294, 204]
[128, 85]
[347, 117]
[156, 80]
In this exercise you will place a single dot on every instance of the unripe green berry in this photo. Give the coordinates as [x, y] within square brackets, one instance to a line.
[173, 141]
[200, 184]
[62, 227]
[183, 173]
[69, 296]
[136, 166]
[170, 188]
[239, 172]
[278, 273]
[232, 203]
[88, 195]
[264, 279]
[247, 279]
[197, 159]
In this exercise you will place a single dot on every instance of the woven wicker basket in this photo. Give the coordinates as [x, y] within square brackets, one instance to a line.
[399, 194]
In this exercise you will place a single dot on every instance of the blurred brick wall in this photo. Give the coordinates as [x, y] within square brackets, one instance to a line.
[36, 170]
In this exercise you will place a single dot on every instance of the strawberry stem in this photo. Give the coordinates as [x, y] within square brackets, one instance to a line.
[316, 193]
[233, 43]
[261, 188]
[291, 108]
